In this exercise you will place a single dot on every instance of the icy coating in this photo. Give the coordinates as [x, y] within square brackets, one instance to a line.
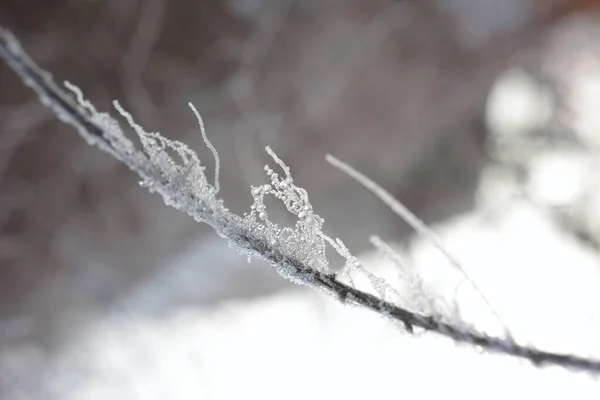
[184, 185]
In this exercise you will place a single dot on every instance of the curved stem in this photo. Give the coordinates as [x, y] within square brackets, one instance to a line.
[61, 104]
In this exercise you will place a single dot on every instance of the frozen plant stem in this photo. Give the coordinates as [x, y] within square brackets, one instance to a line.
[297, 254]
[209, 145]
[411, 219]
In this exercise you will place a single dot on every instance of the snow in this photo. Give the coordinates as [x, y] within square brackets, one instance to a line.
[300, 345]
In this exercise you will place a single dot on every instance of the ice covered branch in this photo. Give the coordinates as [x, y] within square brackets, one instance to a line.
[297, 253]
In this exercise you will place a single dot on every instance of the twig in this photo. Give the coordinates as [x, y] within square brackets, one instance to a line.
[230, 226]
[411, 219]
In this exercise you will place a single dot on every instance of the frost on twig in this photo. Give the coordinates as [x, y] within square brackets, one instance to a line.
[298, 253]
[413, 221]
[422, 300]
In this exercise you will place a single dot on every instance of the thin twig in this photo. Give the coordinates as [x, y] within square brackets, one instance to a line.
[60, 103]
[415, 222]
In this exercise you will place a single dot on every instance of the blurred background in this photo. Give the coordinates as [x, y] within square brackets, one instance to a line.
[483, 117]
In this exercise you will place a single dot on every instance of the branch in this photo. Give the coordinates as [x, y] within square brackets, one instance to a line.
[298, 258]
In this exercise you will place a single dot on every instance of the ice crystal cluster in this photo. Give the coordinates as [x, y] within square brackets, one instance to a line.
[172, 169]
